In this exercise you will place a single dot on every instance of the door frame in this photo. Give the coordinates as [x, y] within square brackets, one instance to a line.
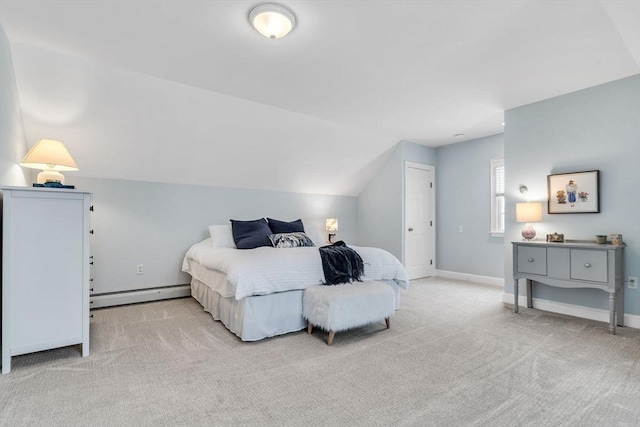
[432, 243]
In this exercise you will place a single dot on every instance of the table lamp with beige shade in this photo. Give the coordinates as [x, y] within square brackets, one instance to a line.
[528, 212]
[52, 157]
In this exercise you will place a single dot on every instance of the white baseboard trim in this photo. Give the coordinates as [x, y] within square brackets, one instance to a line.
[142, 295]
[496, 281]
[630, 320]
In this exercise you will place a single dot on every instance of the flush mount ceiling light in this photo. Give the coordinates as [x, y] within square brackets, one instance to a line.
[272, 20]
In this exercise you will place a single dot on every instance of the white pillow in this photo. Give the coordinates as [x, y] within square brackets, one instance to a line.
[221, 236]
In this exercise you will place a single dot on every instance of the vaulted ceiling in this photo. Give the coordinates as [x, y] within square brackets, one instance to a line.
[188, 92]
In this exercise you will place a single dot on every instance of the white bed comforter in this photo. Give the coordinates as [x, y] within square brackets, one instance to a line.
[267, 270]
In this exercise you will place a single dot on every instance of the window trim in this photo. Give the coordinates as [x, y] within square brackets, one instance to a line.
[495, 231]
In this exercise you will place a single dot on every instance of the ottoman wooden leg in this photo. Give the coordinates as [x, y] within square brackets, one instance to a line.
[309, 328]
[388, 322]
[331, 335]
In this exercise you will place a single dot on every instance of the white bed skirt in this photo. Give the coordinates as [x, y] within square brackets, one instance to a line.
[256, 317]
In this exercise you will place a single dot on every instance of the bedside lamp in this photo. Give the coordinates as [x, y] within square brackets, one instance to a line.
[332, 227]
[52, 157]
[528, 212]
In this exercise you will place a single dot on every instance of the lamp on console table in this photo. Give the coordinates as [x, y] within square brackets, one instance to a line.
[528, 212]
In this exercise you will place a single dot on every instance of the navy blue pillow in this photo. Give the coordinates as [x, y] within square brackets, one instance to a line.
[251, 234]
[279, 227]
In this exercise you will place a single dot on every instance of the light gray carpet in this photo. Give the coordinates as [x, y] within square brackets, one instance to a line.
[454, 356]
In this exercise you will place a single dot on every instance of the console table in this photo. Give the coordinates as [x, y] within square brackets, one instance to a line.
[572, 265]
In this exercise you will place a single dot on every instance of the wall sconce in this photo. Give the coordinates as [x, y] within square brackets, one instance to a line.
[52, 157]
[272, 20]
[332, 227]
[528, 212]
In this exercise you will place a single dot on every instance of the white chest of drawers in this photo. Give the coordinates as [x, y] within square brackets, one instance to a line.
[572, 265]
[45, 270]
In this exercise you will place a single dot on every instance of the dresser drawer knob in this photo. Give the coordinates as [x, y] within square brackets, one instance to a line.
[587, 265]
[530, 260]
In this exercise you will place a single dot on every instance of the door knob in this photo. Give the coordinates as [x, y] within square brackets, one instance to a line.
[410, 228]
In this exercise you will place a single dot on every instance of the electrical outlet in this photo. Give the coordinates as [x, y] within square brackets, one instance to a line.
[632, 282]
[460, 229]
[140, 269]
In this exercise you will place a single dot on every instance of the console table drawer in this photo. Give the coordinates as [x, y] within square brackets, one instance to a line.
[532, 260]
[589, 265]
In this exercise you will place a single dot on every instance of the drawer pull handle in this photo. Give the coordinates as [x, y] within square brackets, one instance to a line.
[587, 265]
[530, 260]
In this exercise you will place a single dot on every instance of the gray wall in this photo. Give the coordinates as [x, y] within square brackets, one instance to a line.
[595, 128]
[380, 205]
[463, 178]
[13, 144]
[154, 224]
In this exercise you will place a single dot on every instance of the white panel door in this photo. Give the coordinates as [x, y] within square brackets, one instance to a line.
[419, 234]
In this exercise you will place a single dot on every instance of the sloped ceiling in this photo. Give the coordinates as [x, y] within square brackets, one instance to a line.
[188, 92]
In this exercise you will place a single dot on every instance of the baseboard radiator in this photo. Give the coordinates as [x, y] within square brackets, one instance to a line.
[141, 295]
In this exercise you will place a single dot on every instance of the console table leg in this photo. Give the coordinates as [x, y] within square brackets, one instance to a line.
[515, 296]
[529, 293]
[612, 313]
[620, 307]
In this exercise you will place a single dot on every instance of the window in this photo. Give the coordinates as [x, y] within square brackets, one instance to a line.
[497, 197]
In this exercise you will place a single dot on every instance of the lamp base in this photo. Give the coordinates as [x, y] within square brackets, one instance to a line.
[50, 176]
[528, 232]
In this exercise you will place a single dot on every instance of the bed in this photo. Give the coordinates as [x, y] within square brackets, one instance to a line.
[257, 293]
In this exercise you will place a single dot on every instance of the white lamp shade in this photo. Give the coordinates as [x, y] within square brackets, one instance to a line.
[332, 224]
[529, 212]
[49, 154]
[272, 21]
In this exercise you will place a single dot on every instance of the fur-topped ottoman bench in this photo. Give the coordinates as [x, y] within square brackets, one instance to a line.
[337, 308]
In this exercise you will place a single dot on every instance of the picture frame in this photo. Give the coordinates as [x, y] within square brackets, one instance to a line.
[574, 192]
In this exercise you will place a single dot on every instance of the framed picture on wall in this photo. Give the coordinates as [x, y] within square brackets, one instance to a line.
[576, 192]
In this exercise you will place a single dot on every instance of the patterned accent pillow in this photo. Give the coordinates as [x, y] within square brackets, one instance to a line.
[290, 240]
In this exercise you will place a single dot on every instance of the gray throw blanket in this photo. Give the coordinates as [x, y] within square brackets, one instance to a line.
[341, 264]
